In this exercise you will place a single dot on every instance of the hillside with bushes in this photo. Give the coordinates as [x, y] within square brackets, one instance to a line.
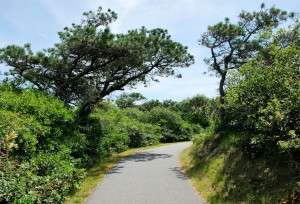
[54, 120]
[46, 148]
[250, 153]
[57, 122]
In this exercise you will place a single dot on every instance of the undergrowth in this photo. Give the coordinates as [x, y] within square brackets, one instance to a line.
[223, 172]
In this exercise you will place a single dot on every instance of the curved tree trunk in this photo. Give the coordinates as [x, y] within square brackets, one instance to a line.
[222, 98]
[221, 88]
[87, 108]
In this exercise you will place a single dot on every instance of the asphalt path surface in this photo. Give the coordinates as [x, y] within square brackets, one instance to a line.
[148, 177]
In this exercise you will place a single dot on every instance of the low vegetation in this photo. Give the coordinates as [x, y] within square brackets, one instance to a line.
[223, 173]
[47, 150]
[54, 121]
[251, 153]
[58, 132]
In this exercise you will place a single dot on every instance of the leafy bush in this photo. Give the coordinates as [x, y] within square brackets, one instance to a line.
[263, 100]
[50, 119]
[173, 128]
[35, 164]
[47, 177]
[132, 113]
[196, 110]
[122, 129]
[27, 139]
[148, 105]
[129, 100]
[36, 176]
[44, 145]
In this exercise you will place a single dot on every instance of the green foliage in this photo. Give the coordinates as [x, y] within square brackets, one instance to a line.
[47, 177]
[44, 145]
[148, 105]
[87, 143]
[15, 123]
[128, 100]
[252, 153]
[196, 110]
[122, 128]
[170, 104]
[133, 113]
[222, 172]
[76, 72]
[36, 165]
[48, 118]
[232, 45]
[256, 144]
[263, 100]
[173, 128]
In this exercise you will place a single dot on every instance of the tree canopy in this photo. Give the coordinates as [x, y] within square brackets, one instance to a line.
[126, 100]
[263, 98]
[90, 62]
[232, 45]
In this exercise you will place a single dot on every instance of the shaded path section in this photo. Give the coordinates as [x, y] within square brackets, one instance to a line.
[148, 177]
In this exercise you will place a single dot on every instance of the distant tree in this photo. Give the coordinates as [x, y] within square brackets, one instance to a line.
[148, 105]
[173, 127]
[196, 110]
[232, 45]
[90, 62]
[169, 104]
[128, 100]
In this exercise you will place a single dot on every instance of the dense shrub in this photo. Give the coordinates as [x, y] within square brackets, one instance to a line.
[263, 101]
[122, 128]
[173, 128]
[44, 145]
[36, 165]
[47, 177]
[196, 110]
[148, 105]
[140, 134]
[53, 121]
[128, 100]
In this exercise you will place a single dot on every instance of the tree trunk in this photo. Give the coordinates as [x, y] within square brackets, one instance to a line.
[87, 108]
[222, 99]
[221, 88]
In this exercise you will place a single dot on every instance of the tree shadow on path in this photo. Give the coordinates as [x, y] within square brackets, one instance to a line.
[139, 157]
[179, 173]
[145, 157]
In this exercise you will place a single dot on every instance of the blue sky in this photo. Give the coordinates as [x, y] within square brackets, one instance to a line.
[38, 21]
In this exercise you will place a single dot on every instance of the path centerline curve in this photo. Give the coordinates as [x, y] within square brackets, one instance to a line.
[152, 176]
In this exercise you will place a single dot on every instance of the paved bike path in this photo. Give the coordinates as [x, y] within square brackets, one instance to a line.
[148, 177]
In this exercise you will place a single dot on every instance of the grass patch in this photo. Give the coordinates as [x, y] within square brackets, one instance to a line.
[207, 178]
[97, 173]
[222, 173]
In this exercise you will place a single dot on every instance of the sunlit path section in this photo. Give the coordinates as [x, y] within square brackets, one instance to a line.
[151, 176]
